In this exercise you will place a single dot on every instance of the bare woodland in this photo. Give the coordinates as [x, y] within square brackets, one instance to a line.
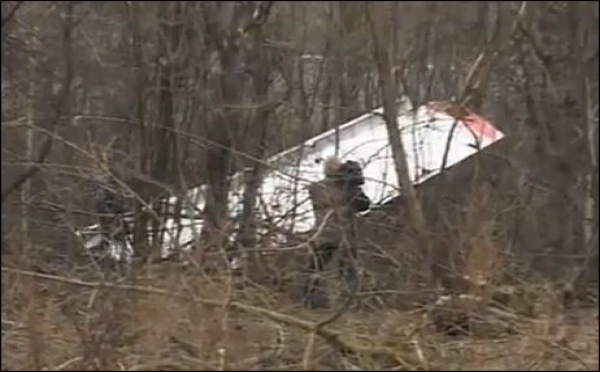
[159, 97]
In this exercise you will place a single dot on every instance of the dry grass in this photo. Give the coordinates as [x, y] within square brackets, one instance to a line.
[166, 317]
[184, 321]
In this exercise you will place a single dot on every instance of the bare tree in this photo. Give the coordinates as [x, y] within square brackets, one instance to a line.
[378, 21]
[46, 147]
[227, 25]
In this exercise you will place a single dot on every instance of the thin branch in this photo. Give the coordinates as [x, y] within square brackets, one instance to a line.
[11, 13]
[333, 337]
[487, 58]
[60, 106]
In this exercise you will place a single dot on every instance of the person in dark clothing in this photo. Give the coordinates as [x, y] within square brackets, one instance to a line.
[109, 206]
[336, 200]
[106, 201]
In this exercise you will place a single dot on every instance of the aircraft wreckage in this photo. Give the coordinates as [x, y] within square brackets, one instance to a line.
[436, 136]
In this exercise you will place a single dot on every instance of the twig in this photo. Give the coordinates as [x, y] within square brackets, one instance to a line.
[11, 13]
[308, 349]
[332, 337]
[474, 77]
[65, 364]
[60, 106]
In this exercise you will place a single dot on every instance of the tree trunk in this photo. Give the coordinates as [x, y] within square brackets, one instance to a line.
[388, 92]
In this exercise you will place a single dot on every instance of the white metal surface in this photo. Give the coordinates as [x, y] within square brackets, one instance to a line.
[429, 135]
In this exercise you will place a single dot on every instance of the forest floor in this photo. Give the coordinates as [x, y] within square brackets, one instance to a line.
[52, 322]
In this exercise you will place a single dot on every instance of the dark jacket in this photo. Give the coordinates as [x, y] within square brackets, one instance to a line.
[107, 202]
[335, 203]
